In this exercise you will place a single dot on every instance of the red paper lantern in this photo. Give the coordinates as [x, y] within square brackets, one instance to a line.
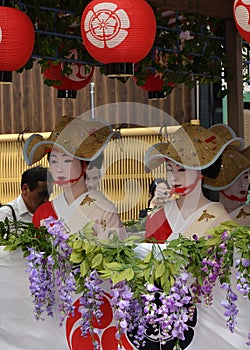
[154, 86]
[77, 80]
[17, 38]
[241, 10]
[118, 31]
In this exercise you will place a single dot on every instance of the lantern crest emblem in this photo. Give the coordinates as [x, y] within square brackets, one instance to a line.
[106, 25]
[242, 14]
[241, 11]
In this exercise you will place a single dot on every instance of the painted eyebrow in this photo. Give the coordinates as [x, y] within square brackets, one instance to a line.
[63, 155]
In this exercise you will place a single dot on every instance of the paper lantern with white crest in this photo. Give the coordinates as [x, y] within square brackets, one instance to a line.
[69, 84]
[241, 11]
[118, 33]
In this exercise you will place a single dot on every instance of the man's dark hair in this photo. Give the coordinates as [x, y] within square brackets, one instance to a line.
[35, 174]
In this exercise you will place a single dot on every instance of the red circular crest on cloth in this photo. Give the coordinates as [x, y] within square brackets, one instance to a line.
[105, 330]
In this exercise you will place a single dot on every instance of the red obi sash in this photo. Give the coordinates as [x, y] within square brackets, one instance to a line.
[157, 227]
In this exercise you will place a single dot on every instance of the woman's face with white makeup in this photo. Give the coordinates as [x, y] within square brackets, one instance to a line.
[239, 188]
[64, 167]
[179, 177]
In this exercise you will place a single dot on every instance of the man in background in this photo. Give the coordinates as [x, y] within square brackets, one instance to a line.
[36, 187]
[94, 173]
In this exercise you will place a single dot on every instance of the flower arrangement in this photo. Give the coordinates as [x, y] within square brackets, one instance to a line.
[157, 289]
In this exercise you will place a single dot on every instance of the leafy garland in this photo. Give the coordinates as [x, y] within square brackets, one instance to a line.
[190, 51]
[146, 289]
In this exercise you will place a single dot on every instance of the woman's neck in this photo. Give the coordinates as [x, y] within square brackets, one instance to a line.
[229, 204]
[76, 189]
[193, 201]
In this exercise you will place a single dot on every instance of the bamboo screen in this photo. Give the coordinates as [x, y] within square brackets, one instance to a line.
[124, 181]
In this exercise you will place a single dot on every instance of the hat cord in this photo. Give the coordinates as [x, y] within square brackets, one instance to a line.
[234, 198]
[66, 182]
[183, 191]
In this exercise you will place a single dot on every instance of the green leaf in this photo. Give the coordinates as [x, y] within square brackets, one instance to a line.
[97, 260]
[127, 274]
[114, 266]
[77, 244]
[172, 270]
[88, 228]
[76, 257]
[115, 277]
[148, 257]
[84, 268]
[160, 269]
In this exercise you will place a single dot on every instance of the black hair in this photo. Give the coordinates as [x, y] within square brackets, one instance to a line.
[212, 195]
[32, 176]
[213, 170]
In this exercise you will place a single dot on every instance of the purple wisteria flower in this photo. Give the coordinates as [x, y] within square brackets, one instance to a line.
[41, 282]
[168, 316]
[248, 342]
[51, 274]
[242, 276]
[127, 312]
[174, 312]
[211, 270]
[91, 302]
[231, 309]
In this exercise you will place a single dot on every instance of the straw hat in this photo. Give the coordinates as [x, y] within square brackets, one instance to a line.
[234, 164]
[226, 132]
[82, 139]
[246, 152]
[191, 146]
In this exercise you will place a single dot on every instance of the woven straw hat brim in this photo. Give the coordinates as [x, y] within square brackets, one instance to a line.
[224, 131]
[246, 152]
[81, 139]
[191, 146]
[234, 164]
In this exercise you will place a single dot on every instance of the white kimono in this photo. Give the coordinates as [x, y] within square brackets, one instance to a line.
[241, 215]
